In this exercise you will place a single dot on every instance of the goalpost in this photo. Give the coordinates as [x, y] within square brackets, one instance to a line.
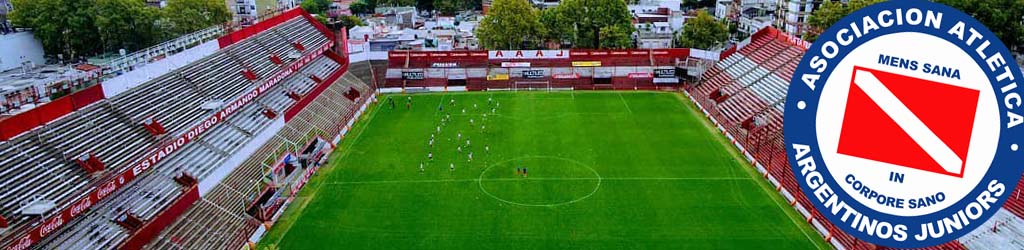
[532, 85]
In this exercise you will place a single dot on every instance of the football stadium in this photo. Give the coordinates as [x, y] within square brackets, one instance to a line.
[286, 133]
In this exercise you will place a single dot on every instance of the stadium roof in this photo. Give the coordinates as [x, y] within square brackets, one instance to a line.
[15, 79]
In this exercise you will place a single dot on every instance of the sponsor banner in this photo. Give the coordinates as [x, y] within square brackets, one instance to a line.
[434, 73]
[515, 65]
[565, 76]
[444, 65]
[527, 54]
[587, 64]
[605, 72]
[795, 40]
[673, 53]
[665, 73]
[639, 75]
[104, 190]
[456, 55]
[497, 77]
[456, 76]
[533, 74]
[666, 80]
[900, 146]
[604, 53]
[413, 76]
[398, 53]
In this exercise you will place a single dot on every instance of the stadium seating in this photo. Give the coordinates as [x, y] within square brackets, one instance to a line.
[220, 210]
[714, 78]
[1002, 231]
[745, 94]
[40, 165]
[198, 159]
[1015, 204]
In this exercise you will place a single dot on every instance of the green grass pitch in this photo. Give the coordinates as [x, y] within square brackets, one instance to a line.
[606, 170]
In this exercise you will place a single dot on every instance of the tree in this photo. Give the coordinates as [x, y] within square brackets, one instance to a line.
[509, 25]
[316, 6]
[697, 4]
[322, 19]
[592, 22]
[557, 26]
[350, 21]
[616, 37]
[472, 4]
[64, 27]
[363, 7]
[1003, 17]
[828, 13]
[447, 7]
[126, 24]
[78, 28]
[187, 16]
[854, 5]
[702, 32]
[390, 3]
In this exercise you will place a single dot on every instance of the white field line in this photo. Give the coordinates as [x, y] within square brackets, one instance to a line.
[624, 102]
[544, 179]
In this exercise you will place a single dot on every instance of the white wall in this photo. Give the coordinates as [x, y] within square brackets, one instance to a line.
[704, 54]
[676, 22]
[15, 46]
[218, 174]
[722, 9]
[672, 5]
[146, 72]
[361, 52]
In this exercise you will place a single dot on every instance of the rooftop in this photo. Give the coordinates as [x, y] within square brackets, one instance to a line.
[15, 79]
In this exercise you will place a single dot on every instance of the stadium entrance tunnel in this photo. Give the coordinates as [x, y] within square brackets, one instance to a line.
[548, 181]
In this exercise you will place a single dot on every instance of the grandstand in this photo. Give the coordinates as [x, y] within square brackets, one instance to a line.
[532, 69]
[105, 169]
[744, 94]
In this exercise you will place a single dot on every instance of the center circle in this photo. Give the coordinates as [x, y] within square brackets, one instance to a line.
[546, 182]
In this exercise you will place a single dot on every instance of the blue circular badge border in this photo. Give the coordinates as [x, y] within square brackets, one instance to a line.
[800, 125]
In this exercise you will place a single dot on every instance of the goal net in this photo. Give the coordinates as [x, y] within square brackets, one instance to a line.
[532, 85]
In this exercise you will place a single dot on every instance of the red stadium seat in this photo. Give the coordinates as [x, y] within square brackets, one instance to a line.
[276, 59]
[154, 127]
[269, 113]
[90, 163]
[249, 74]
